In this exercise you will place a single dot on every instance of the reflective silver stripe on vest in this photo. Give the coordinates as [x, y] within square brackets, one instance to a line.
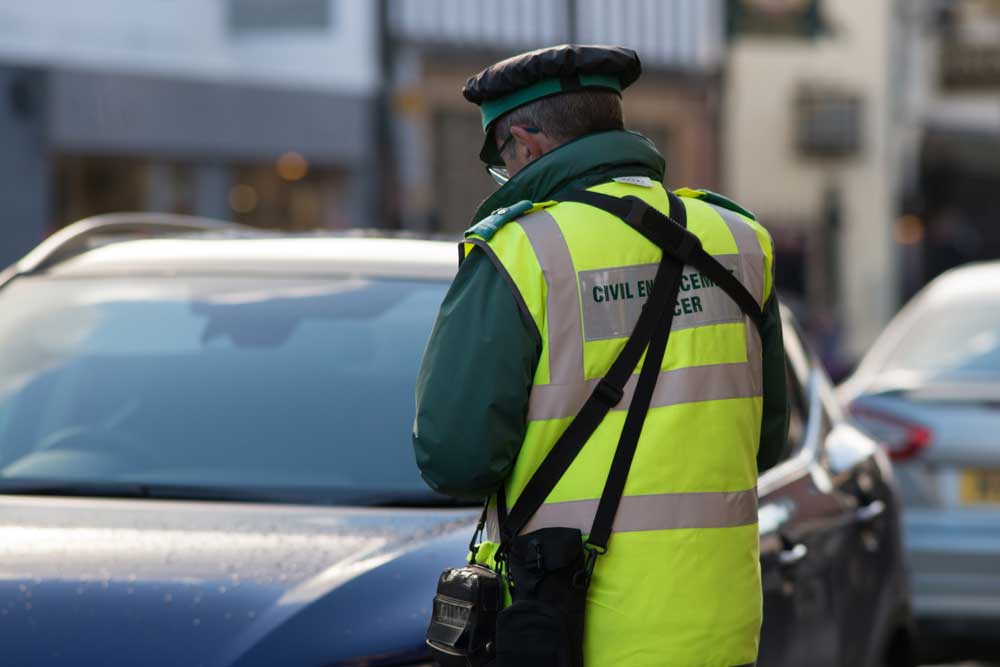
[713, 382]
[752, 260]
[562, 304]
[567, 390]
[661, 511]
[749, 250]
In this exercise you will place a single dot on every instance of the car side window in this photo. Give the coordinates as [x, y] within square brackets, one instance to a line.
[797, 372]
[798, 414]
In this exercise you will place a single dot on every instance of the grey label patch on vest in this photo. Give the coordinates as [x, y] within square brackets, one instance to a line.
[613, 298]
[641, 181]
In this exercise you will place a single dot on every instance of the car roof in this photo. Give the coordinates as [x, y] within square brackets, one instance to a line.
[265, 254]
[967, 280]
[964, 284]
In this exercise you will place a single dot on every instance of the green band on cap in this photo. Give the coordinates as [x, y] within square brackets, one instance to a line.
[493, 109]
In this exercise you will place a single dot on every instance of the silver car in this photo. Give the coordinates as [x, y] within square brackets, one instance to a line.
[929, 390]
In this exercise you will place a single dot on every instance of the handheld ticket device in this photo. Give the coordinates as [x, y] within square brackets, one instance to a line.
[463, 622]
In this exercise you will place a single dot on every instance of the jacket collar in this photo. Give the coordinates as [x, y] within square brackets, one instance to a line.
[581, 163]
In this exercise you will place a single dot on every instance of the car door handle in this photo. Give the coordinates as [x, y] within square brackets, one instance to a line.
[870, 512]
[794, 555]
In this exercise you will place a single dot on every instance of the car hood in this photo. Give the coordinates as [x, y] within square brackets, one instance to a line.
[125, 582]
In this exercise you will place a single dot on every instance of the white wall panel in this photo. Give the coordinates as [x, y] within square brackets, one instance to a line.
[686, 34]
[192, 38]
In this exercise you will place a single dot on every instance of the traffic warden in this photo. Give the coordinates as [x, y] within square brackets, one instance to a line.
[546, 298]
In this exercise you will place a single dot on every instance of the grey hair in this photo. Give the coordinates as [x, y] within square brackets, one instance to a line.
[566, 116]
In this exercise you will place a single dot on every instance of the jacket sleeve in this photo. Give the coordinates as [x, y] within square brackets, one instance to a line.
[774, 423]
[473, 385]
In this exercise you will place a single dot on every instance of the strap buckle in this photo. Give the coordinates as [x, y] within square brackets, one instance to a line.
[637, 213]
[536, 557]
[502, 560]
[581, 579]
[688, 246]
[673, 237]
[608, 393]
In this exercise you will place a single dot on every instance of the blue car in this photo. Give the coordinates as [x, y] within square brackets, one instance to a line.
[205, 460]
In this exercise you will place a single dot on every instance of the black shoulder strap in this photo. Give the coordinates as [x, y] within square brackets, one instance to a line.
[653, 330]
[608, 393]
[628, 441]
[656, 227]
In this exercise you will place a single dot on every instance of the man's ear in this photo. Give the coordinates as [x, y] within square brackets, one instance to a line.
[531, 141]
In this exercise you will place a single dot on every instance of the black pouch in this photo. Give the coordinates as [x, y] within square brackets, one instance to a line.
[543, 627]
[463, 622]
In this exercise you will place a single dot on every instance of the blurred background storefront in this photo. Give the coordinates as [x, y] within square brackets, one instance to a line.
[954, 193]
[251, 110]
[809, 147]
[437, 44]
[867, 141]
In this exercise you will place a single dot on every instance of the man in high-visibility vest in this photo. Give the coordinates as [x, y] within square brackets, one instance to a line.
[543, 303]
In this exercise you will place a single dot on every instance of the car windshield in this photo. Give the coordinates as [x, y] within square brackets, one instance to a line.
[261, 388]
[955, 340]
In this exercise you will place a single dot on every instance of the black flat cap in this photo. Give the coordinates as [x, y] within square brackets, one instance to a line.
[524, 78]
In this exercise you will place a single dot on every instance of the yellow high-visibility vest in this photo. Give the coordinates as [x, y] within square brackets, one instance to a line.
[680, 584]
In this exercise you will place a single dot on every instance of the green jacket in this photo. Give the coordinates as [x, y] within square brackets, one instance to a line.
[477, 371]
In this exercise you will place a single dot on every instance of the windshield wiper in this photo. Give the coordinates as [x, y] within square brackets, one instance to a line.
[428, 499]
[141, 490]
[305, 496]
[41, 487]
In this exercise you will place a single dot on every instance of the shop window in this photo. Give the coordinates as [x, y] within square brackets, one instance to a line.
[288, 195]
[285, 194]
[95, 185]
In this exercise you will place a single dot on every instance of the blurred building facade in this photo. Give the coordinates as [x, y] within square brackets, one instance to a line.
[252, 110]
[437, 44]
[868, 141]
[950, 120]
[810, 145]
